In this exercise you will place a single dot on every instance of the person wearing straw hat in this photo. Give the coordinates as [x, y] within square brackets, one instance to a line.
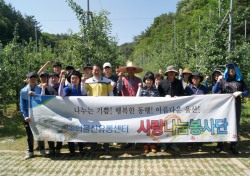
[184, 75]
[128, 85]
[170, 87]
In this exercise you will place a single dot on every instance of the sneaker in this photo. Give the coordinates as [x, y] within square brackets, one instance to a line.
[163, 147]
[43, 153]
[199, 148]
[218, 149]
[145, 149]
[175, 148]
[234, 150]
[29, 155]
[153, 148]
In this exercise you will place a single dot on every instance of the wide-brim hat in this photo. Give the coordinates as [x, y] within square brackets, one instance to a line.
[195, 74]
[74, 72]
[217, 70]
[171, 68]
[130, 65]
[187, 71]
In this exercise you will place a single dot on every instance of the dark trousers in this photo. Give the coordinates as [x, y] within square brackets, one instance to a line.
[71, 146]
[53, 147]
[238, 114]
[30, 139]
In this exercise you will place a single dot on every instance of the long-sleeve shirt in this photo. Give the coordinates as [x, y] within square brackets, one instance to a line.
[148, 92]
[128, 86]
[192, 90]
[70, 90]
[24, 98]
[174, 88]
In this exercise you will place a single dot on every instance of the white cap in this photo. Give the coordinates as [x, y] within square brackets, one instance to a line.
[106, 64]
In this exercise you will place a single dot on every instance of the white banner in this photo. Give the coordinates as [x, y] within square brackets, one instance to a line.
[201, 118]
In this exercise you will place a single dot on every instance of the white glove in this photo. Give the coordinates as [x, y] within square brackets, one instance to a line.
[168, 96]
[113, 84]
[236, 94]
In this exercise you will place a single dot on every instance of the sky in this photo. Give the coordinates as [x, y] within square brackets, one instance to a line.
[128, 17]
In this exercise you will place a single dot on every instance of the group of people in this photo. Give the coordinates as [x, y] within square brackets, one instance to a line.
[99, 81]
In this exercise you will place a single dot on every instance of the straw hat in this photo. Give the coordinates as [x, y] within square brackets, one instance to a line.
[130, 65]
[186, 70]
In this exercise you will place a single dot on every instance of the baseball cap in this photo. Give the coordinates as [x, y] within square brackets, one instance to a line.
[106, 64]
[31, 74]
[44, 74]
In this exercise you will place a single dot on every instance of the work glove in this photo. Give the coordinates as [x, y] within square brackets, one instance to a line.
[237, 93]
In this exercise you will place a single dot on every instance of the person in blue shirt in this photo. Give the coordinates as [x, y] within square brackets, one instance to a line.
[195, 88]
[231, 82]
[73, 89]
[30, 88]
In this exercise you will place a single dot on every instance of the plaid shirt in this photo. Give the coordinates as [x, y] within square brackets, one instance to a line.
[149, 92]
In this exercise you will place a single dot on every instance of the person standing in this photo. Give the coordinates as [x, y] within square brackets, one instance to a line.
[149, 90]
[195, 88]
[107, 70]
[29, 89]
[57, 67]
[170, 87]
[128, 85]
[87, 70]
[74, 89]
[232, 83]
[52, 90]
[97, 86]
[184, 77]
[158, 79]
[215, 75]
